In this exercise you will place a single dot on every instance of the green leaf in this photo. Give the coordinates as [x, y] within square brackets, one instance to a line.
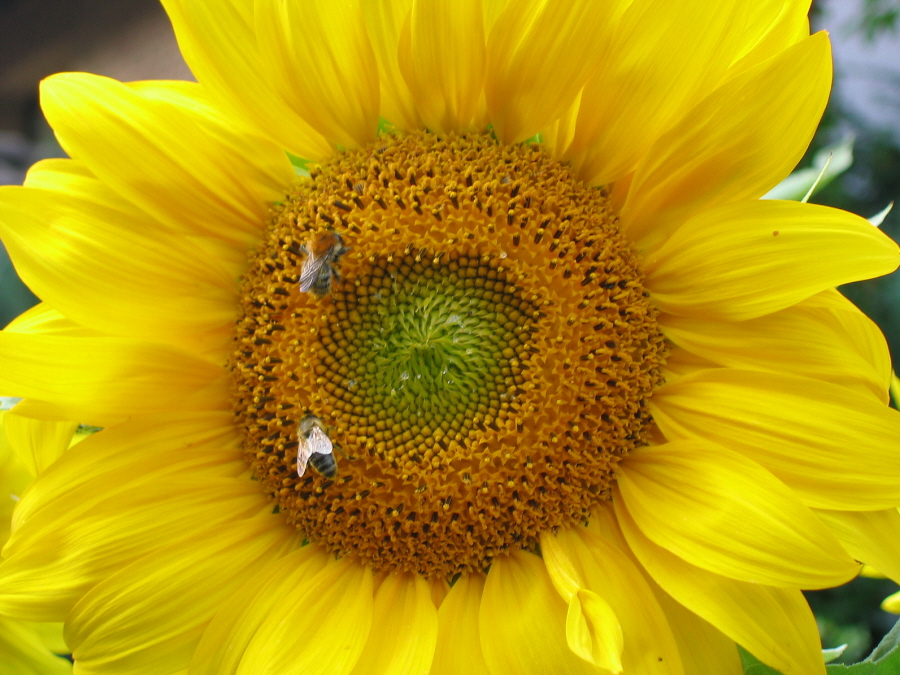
[885, 660]
[753, 666]
[301, 166]
[827, 164]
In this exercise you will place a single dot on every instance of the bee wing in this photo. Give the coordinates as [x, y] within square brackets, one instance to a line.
[317, 442]
[310, 270]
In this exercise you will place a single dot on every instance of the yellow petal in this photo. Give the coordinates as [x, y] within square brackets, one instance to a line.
[752, 258]
[458, 648]
[219, 44]
[95, 379]
[336, 91]
[539, 55]
[72, 178]
[774, 624]
[76, 542]
[664, 56]
[722, 512]
[772, 26]
[322, 625]
[147, 617]
[593, 631]
[226, 638]
[23, 653]
[404, 628]
[165, 148]
[384, 22]
[872, 537]
[704, 649]
[824, 337]
[37, 443]
[146, 448]
[523, 620]
[797, 428]
[79, 256]
[892, 603]
[681, 362]
[649, 646]
[735, 144]
[442, 58]
[44, 319]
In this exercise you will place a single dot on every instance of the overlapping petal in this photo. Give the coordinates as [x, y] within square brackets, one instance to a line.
[774, 624]
[96, 380]
[522, 620]
[539, 55]
[442, 58]
[78, 254]
[458, 647]
[225, 639]
[747, 259]
[735, 144]
[148, 616]
[797, 428]
[337, 92]
[722, 512]
[219, 43]
[132, 137]
[326, 618]
[824, 337]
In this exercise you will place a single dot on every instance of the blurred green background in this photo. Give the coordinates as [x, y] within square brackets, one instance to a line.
[131, 39]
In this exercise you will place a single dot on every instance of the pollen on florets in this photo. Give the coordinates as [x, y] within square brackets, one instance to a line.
[481, 359]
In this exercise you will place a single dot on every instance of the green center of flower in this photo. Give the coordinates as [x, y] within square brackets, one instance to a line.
[453, 336]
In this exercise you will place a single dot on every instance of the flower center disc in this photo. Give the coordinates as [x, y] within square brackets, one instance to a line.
[481, 363]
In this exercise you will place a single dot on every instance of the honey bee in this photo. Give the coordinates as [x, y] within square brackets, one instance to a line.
[323, 252]
[315, 448]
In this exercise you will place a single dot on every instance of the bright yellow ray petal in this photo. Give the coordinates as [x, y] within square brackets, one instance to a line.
[226, 638]
[147, 618]
[752, 258]
[593, 631]
[703, 648]
[37, 443]
[458, 648]
[649, 646]
[70, 546]
[219, 44]
[23, 653]
[523, 620]
[774, 624]
[133, 137]
[404, 628]
[384, 22]
[145, 448]
[681, 362]
[79, 255]
[735, 144]
[442, 58]
[324, 620]
[772, 26]
[872, 537]
[96, 379]
[539, 55]
[43, 319]
[664, 56]
[337, 90]
[797, 428]
[722, 512]
[824, 337]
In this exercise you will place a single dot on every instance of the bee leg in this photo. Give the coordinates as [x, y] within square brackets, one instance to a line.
[346, 456]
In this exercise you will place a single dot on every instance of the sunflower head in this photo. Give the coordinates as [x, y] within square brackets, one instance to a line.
[482, 360]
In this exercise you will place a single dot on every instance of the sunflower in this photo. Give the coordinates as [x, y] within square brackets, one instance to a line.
[27, 648]
[449, 337]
